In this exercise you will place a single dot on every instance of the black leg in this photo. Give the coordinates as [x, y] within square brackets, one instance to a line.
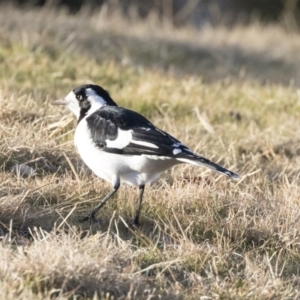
[91, 216]
[135, 220]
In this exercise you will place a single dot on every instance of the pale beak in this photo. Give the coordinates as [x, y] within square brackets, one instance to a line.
[60, 102]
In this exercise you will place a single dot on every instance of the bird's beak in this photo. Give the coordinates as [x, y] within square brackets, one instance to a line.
[60, 102]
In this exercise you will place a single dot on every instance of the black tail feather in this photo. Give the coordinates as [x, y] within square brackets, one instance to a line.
[201, 161]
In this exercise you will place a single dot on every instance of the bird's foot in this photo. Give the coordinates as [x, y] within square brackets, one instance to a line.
[134, 224]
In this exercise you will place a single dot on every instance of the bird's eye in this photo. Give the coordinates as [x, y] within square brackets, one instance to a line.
[79, 97]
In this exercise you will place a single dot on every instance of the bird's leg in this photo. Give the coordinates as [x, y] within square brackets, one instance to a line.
[135, 221]
[91, 217]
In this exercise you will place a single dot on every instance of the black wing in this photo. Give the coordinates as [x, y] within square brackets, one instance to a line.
[145, 138]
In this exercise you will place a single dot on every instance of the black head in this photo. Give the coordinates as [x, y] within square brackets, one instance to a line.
[86, 99]
[92, 93]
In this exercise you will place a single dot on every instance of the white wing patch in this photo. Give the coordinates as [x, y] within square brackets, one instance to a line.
[146, 128]
[177, 151]
[176, 145]
[142, 143]
[123, 139]
[156, 157]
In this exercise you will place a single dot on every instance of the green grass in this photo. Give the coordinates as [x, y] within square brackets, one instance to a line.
[201, 235]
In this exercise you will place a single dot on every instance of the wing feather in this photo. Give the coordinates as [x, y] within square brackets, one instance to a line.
[118, 130]
[107, 124]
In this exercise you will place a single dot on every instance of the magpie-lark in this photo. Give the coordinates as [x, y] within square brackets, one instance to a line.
[120, 145]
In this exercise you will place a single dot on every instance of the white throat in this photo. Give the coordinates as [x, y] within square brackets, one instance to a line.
[95, 100]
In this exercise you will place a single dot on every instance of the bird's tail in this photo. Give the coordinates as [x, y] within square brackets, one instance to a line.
[201, 161]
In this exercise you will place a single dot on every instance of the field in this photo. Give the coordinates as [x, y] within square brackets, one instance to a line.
[230, 94]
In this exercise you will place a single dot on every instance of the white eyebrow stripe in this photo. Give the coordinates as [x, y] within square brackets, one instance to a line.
[142, 143]
[94, 97]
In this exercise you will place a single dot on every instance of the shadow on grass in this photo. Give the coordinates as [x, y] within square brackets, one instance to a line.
[35, 199]
[43, 162]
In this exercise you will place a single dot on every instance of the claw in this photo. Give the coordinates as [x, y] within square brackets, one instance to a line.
[134, 224]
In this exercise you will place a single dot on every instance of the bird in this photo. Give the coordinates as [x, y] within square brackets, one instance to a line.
[122, 146]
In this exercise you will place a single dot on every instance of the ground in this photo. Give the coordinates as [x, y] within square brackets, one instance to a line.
[230, 94]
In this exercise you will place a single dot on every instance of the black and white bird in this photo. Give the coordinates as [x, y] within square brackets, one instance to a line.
[121, 146]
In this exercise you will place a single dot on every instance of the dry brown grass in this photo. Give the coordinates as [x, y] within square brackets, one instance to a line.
[202, 236]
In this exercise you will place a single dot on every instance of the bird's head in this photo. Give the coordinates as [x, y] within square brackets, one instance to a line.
[86, 99]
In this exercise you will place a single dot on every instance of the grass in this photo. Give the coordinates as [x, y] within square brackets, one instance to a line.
[230, 95]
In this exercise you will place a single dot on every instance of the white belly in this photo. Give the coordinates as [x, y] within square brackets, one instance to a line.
[132, 169]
